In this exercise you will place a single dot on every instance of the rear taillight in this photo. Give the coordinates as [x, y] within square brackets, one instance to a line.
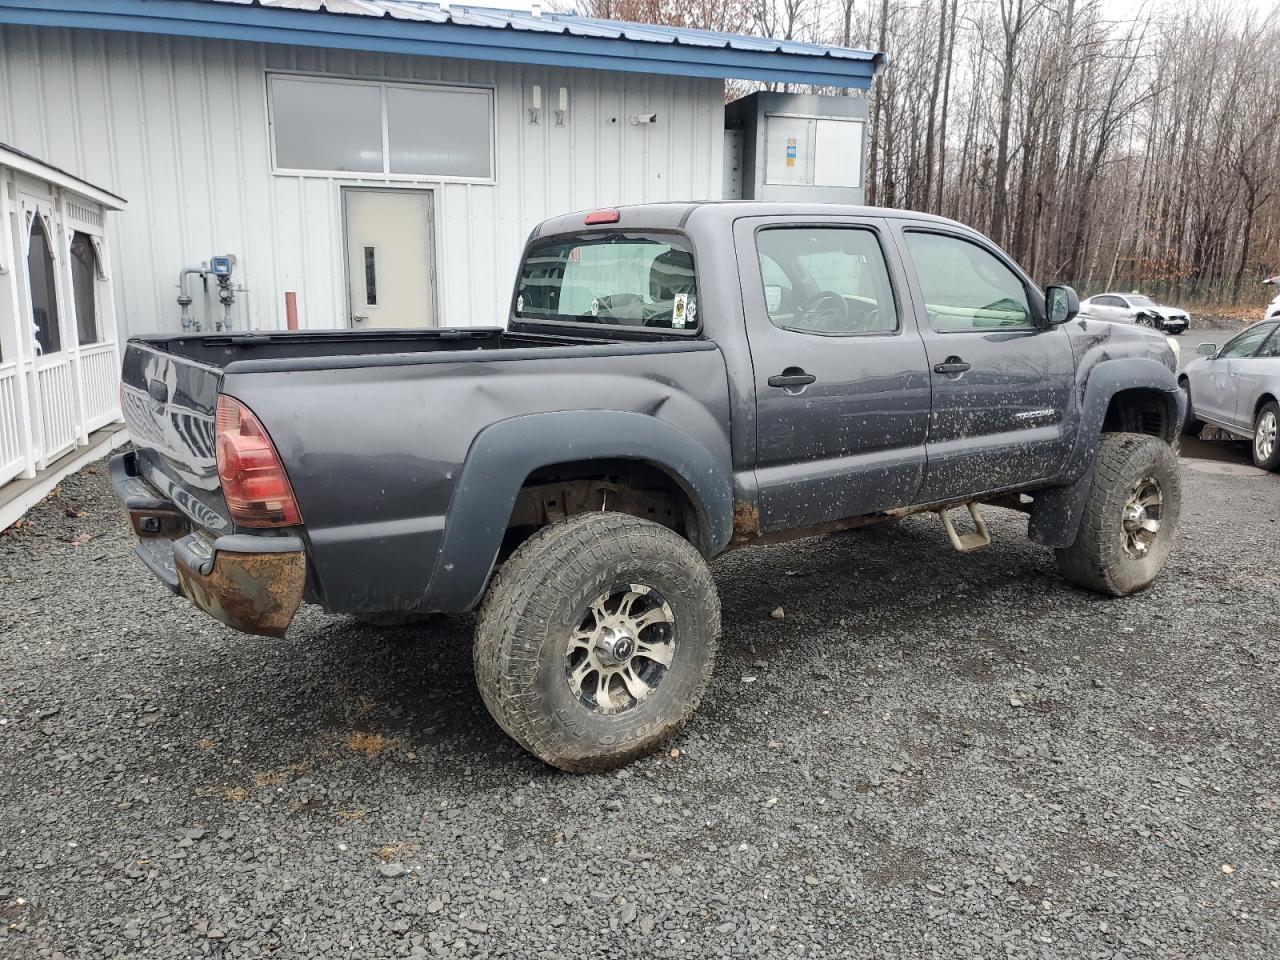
[253, 480]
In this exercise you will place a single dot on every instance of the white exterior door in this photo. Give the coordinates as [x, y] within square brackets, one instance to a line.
[390, 258]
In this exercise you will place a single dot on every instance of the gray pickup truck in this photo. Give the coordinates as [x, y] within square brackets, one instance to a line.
[673, 381]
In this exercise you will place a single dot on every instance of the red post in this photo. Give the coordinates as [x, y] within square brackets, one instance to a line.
[291, 309]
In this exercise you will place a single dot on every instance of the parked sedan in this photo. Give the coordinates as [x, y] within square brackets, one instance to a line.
[1237, 388]
[1137, 309]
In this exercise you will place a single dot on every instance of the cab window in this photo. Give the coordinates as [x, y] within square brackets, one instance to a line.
[616, 279]
[967, 288]
[829, 281]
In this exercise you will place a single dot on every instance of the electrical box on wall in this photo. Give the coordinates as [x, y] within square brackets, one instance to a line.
[801, 147]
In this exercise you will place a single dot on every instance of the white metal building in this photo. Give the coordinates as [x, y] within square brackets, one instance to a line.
[381, 161]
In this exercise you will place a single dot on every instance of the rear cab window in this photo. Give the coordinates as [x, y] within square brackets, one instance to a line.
[616, 278]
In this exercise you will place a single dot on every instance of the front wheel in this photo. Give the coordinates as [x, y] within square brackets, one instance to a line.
[596, 640]
[1266, 447]
[1130, 518]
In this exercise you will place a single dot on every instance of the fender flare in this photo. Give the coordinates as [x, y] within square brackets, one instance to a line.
[1056, 513]
[505, 453]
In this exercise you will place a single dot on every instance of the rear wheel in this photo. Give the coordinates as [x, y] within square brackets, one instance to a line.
[1130, 519]
[596, 640]
[1266, 444]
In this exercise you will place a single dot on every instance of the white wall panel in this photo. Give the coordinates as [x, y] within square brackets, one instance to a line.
[178, 128]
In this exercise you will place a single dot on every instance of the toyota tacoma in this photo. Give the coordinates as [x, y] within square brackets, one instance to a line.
[673, 381]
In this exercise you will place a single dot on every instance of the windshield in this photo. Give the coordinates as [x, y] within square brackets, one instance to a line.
[618, 279]
[1138, 301]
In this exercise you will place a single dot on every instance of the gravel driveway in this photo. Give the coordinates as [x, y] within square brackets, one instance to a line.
[930, 755]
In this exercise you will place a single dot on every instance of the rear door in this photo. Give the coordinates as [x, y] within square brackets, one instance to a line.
[1256, 375]
[842, 385]
[1003, 407]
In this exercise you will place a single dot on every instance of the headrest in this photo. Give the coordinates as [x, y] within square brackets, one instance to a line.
[671, 273]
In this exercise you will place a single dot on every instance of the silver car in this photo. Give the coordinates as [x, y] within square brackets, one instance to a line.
[1237, 388]
[1135, 308]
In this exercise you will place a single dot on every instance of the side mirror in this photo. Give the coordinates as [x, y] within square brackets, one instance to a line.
[1061, 304]
[1207, 350]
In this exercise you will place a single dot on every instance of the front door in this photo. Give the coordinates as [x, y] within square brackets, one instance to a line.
[842, 385]
[1002, 386]
[390, 258]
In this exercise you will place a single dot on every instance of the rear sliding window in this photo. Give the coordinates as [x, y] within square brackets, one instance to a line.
[616, 279]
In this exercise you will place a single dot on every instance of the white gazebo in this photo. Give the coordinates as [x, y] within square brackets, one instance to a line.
[59, 363]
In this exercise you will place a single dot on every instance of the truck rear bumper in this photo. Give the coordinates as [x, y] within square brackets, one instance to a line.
[251, 583]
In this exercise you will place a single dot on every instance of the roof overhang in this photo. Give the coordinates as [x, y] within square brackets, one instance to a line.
[663, 51]
[15, 159]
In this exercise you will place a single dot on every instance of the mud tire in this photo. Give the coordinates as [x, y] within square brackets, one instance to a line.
[538, 598]
[1099, 560]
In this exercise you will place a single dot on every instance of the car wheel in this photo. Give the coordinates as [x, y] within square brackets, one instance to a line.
[1266, 444]
[1130, 519]
[1144, 321]
[1191, 427]
[596, 640]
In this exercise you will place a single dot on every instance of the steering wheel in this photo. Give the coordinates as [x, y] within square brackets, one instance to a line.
[826, 311]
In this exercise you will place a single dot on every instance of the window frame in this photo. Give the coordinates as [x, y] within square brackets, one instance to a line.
[383, 85]
[817, 225]
[618, 330]
[1035, 299]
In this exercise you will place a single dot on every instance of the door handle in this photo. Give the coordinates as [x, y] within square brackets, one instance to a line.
[792, 377]
[952, 367]
[158, 390]
[357, 318]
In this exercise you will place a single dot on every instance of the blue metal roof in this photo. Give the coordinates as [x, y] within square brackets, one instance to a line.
[469, 33]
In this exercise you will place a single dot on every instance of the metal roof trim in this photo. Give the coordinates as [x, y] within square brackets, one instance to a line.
[406, 26]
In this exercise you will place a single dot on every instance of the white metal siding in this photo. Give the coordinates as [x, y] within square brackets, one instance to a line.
[178, 128]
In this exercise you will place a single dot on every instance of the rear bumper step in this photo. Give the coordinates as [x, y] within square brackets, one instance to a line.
[251, 583]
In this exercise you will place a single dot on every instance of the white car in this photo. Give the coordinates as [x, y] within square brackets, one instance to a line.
[1137, 309]
[1273, 308]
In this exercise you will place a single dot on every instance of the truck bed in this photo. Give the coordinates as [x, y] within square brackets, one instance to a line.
[373, 428]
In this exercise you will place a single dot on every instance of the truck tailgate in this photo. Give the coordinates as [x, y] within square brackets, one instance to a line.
[169, 404]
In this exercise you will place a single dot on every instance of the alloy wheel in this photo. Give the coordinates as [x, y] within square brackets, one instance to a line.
[621, 650]
[1142, 513]
[1264, 437]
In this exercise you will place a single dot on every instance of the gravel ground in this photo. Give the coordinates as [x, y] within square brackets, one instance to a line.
[930, 755]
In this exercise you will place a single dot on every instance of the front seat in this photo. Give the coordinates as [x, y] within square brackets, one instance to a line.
[671, 274]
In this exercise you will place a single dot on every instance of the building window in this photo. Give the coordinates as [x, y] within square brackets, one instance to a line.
[84, 286]
[44, 292]
[326, 126]
[370, 276]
